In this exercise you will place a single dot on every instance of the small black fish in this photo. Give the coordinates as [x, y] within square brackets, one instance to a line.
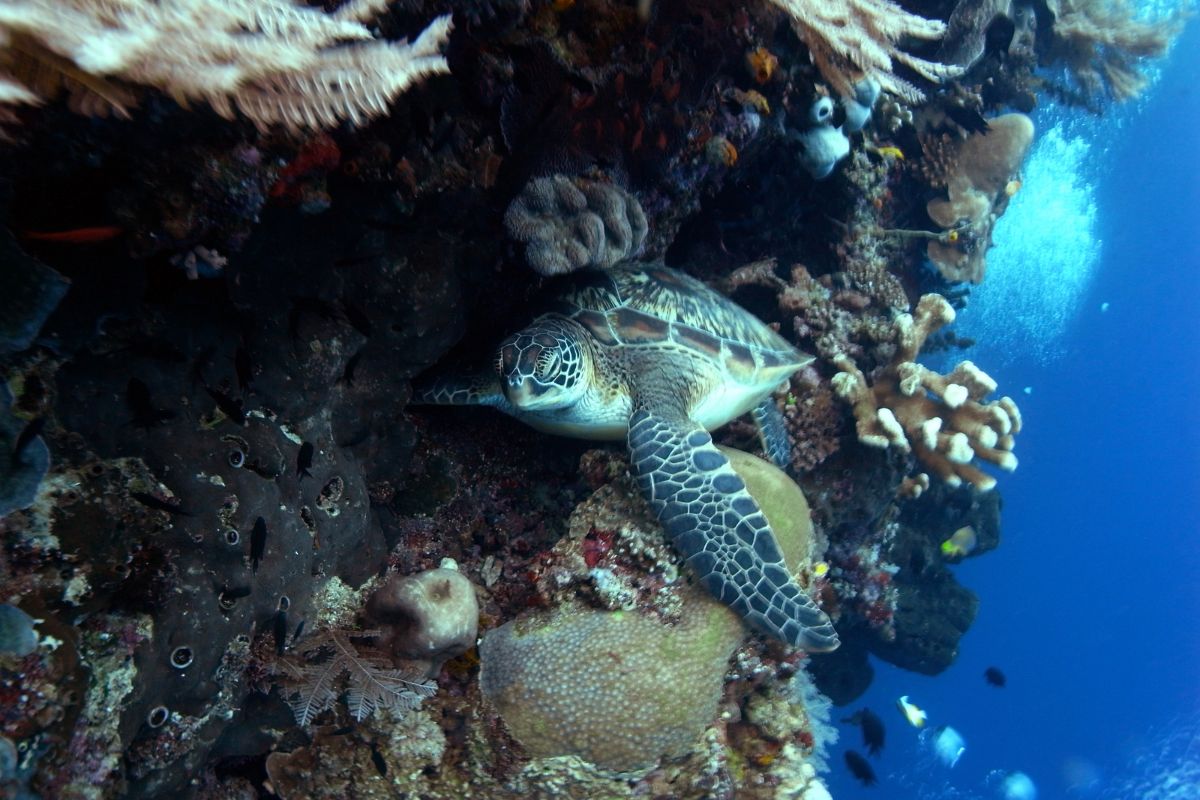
[145, 415]
[235, 594]
[299, 630]
[262, 470]
[968, 119]
[258, 542]
[995, 677]
[378, 761]
[279, 629]
[357, 318]
[351, 366]
[31, 431]
[243, 367]
[872, 729]
[231, 408]
[304, 460]
[151, 501]
[860, 768]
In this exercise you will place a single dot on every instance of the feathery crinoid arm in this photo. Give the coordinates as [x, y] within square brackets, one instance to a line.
[854, 39]
[277, 61]
[353, 83]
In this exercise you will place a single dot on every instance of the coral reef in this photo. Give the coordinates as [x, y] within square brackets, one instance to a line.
[226, 536]
[17, 635]
[29, 458]
[32, 291]
[1012, 25]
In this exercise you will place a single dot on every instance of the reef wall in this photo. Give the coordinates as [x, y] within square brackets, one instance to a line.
[237, 562]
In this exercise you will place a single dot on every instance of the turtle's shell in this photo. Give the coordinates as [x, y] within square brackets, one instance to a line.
[639, 304]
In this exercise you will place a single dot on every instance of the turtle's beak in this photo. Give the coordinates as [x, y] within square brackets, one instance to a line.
[518, 390]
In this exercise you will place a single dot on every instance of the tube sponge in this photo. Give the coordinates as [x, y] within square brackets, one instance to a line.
[822, 147]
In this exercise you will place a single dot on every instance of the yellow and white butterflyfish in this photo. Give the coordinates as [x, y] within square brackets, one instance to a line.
[961, 543]
[914, 715]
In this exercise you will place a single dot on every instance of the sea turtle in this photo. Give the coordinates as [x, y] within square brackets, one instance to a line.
[644, 352]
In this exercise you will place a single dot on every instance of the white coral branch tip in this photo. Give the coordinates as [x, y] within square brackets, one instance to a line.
[955, 395]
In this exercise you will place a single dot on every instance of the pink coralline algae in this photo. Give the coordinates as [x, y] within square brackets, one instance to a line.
[862, 577]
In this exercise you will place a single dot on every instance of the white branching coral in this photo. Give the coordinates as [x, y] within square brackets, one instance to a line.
[276, 61]
[946, 421]
[850, 40]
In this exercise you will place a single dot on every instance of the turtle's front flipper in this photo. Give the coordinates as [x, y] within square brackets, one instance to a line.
[480, 389]
[719, 529]
[773, 431]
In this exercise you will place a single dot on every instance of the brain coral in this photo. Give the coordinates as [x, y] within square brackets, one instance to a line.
[623, 689]
[620, 689]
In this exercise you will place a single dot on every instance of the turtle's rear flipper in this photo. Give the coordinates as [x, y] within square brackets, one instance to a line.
[715, 523]
[480, 389]
[773, 432]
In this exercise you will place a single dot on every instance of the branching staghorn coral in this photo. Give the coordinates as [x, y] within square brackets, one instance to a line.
[850, 40]
[277, 61]
[944, 420]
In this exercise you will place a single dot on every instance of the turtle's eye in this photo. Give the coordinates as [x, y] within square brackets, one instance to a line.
[547, 364]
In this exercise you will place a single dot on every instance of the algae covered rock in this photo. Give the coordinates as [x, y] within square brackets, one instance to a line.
[620, 689]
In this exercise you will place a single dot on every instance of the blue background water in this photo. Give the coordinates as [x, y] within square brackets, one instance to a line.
[1091, 606]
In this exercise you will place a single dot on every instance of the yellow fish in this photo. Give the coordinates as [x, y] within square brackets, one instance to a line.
[888, 151]
[960, 544]
[914, 715]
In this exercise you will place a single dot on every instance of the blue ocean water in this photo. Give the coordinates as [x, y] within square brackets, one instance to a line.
[1090, 318]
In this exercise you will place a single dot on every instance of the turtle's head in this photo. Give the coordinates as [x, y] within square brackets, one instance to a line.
[544, 366]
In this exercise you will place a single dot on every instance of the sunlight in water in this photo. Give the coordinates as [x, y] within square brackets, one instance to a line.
[1045, 255]
[1167, 767]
